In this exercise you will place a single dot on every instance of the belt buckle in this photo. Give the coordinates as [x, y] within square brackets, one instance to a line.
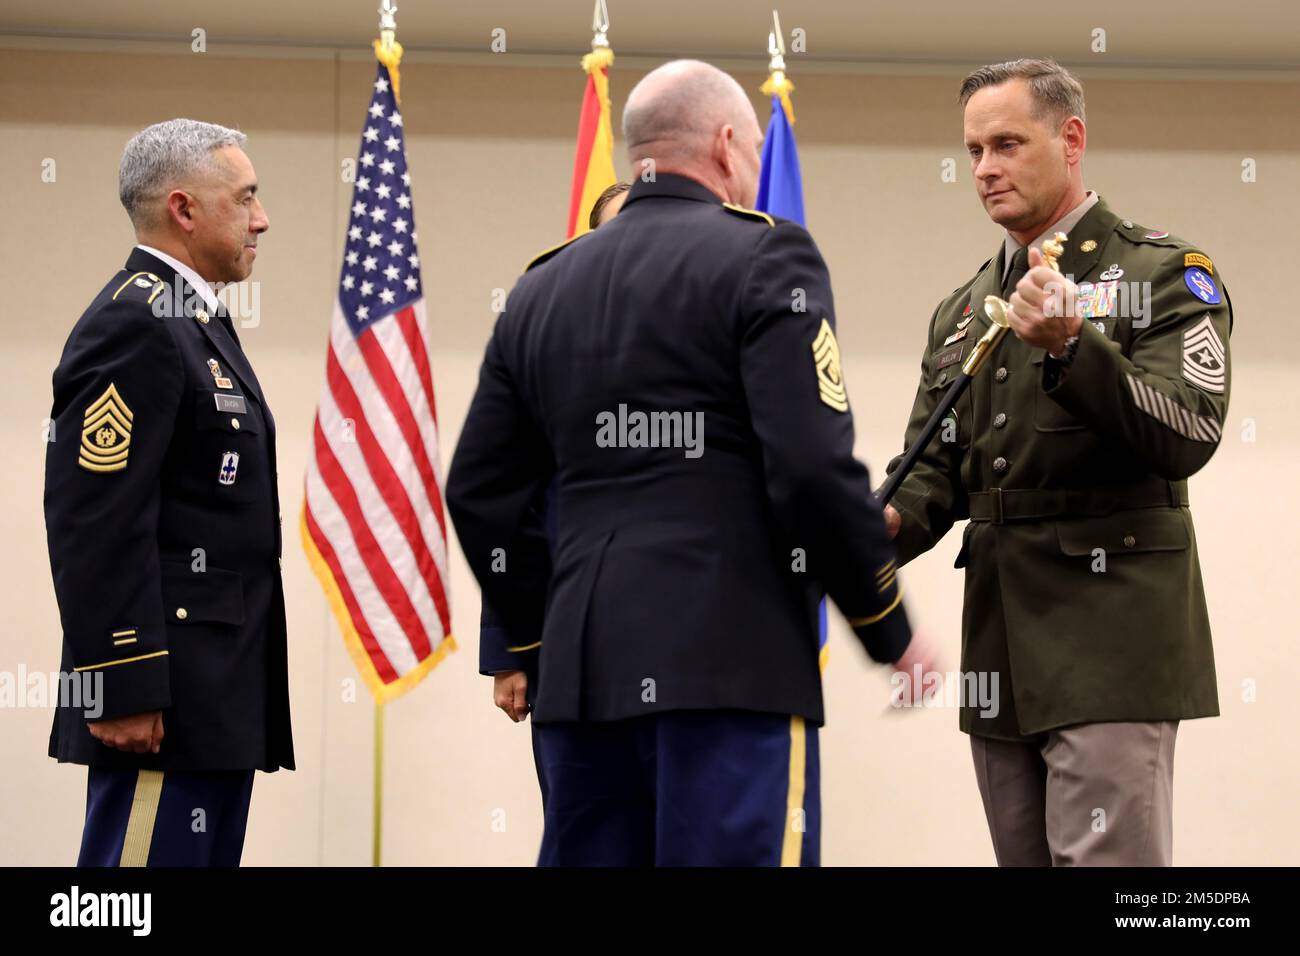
[995, 506]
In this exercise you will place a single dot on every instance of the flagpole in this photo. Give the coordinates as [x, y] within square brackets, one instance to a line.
[593, 161]
[600, 25]
[778, 84]
[780, 191]
[378, 836]
[389, 52]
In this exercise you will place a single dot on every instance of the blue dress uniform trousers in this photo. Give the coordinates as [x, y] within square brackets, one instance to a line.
[681, 788]
[165, 818]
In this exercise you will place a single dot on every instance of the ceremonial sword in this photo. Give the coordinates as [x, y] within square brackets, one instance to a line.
[996, 309]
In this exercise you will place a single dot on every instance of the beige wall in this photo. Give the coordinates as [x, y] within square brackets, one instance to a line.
[490, 150]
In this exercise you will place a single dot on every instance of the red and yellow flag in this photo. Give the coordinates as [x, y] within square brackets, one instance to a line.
[593, 163]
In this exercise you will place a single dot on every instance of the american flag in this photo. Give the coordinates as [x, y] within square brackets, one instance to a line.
[372, 523]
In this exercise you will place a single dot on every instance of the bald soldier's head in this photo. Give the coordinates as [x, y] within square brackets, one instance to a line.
[691, 119]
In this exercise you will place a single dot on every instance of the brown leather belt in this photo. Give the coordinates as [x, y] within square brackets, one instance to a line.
[1000, 505]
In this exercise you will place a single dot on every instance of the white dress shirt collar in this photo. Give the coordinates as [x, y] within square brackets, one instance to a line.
[199, 284]
[1064, 224]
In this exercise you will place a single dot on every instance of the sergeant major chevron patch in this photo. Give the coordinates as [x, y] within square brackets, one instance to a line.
[830, 379]
[1204, 358]
[105, 433]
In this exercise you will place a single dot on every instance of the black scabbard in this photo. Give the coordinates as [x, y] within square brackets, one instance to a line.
[899, 475]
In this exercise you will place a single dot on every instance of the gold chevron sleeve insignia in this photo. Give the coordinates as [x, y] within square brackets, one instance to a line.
[830, 380]
[106, 433]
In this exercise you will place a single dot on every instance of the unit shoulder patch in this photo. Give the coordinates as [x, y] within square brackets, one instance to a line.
[1204, 357]
[106, 433]
[1200, 284]
[749, 213]
[826, 360]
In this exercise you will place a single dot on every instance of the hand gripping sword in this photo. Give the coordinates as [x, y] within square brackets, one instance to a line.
[996, 309]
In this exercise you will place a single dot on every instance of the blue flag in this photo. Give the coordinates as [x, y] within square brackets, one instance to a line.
[780, 187]
[780, 193]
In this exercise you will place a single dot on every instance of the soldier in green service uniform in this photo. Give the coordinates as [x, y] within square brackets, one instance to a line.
[1070, 454]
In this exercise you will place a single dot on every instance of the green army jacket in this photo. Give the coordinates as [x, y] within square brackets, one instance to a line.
[1083, 589]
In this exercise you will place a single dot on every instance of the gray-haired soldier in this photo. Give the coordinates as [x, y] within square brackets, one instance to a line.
[163, 522]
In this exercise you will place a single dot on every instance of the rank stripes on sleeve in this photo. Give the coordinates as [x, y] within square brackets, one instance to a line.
[1172, 415]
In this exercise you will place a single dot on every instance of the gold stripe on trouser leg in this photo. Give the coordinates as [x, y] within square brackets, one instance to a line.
[139, 826]
[792, 844]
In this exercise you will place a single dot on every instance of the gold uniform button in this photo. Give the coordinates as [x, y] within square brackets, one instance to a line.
[1129, 541]
[234, 423]
[201, 316]
[181, 614]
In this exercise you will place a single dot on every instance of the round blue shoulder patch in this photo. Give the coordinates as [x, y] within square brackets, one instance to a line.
[1201, 285]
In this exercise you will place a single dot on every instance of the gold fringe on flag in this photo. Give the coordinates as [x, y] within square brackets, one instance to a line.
[778, 84]
[389, 53]
[600, 57]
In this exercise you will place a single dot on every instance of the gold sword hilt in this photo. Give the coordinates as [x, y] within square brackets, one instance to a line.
[997, 308]
[1053, 249]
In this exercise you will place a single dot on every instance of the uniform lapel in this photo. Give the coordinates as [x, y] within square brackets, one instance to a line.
[214, 331]
[185, 304]
[233, 354]
[1096, 226]
[988, 282]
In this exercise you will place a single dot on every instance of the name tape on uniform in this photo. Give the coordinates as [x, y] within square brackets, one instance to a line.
[231, 403]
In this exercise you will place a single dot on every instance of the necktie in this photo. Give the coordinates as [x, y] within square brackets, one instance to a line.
[1019, 266]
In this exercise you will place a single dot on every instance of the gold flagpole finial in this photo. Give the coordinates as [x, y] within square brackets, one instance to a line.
[601, 56]
[600, 26]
